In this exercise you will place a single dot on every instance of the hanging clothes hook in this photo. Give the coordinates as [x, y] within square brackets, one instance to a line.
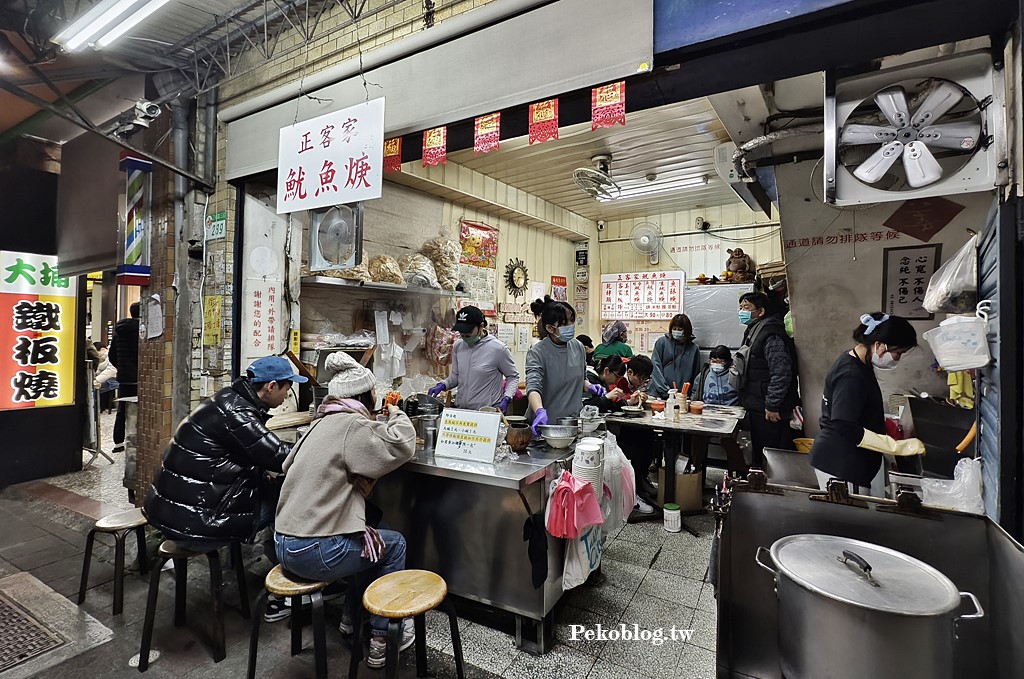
[983, 308]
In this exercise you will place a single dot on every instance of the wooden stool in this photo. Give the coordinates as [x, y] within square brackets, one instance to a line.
[170, 551]
[281, 583]
[118, 525]
[406, 594]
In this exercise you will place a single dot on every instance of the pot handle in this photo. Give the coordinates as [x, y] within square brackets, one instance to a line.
[857, 559]
[978, 611]
[762, 564]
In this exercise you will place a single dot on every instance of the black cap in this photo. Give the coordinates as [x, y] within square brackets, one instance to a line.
[585, 341]
[468, 318]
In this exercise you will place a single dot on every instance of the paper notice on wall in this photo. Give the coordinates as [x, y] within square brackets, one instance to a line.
[398, 362]
[537, 290]
[480, 284]
[383, 329]
[154, 317]
[507, 333]
[415, 339]
[383, 363]
[396, 318]
[523, 332]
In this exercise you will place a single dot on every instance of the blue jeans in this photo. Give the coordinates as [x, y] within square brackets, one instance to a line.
[332, 558]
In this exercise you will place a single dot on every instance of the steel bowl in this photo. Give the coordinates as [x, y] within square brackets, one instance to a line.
[633, 411]
[559, 441]
[557, 430]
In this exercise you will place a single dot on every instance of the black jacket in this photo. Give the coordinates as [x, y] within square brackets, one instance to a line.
[209, 484]
[771, 377]
[124, 350]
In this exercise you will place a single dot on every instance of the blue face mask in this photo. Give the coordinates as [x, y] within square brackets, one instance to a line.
[745, 316]
[717, 368]
[566, 332]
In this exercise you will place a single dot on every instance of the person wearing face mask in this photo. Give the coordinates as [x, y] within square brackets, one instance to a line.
[613, 342]
[852, 436]
[676, 357]
[482, 366]
[764, 375]
[556, 366]
[713, 385]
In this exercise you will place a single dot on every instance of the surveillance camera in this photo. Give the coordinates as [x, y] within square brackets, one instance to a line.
[146, 109]
[600, 225]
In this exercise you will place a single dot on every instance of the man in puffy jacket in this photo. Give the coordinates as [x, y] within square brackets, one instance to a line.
[210, 490]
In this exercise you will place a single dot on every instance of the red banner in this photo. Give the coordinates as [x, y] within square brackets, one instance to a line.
[544, 121]
[487, 133]
[435, 146]
[608, 105]
[393, 155]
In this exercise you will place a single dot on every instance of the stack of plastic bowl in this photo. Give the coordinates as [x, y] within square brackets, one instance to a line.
[588, 465]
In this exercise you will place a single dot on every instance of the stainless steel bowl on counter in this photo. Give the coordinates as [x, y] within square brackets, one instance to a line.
[558, 435]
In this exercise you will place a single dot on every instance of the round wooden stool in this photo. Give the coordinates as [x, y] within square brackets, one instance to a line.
[168, 551]
[406, 594]
[118, 525]
[281, 583]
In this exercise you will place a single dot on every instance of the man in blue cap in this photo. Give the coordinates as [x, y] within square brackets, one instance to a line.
[212, 489]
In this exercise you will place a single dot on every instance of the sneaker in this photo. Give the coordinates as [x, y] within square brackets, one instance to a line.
[347, 625]
[642, 507]
[277, 609]
[378, 647]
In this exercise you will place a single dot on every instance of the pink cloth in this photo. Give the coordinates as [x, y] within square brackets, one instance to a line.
[345, 405]
[628, 491]
[573, 508]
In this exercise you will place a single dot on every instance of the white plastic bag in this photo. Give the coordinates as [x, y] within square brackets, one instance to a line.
[582, 555]
[960, 343]
[953, 288]
[963, 493]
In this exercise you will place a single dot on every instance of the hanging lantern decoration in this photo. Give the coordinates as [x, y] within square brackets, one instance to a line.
[544, 121]
[393, 155]
[487, 133]
[608, 105]
[435, 146]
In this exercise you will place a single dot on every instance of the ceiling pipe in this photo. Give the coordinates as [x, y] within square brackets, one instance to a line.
[446, 31]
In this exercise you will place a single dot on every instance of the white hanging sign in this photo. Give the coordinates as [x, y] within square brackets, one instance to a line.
[467, 435]
[332, 159]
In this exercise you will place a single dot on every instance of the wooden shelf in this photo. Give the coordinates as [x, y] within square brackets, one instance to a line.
[330, 281]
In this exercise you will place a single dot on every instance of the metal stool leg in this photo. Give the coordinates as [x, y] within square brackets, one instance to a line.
[420, 623]
[453, 622]
[119, 538]
[142, 557]
[243, 586]
[85, 566]
[319, 635]
[254, 637]
[357, 637]
[147, 626]
[217, 590]
[391, 654]
[180, 590]
[296, 624]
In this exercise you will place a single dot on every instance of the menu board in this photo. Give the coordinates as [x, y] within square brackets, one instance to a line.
[647, 295]
[37, 332]
[467, 435]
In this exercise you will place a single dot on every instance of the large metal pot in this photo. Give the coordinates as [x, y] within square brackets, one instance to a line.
[852, 609]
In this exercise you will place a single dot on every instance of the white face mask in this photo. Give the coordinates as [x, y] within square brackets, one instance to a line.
[885, 361]
[717, 368]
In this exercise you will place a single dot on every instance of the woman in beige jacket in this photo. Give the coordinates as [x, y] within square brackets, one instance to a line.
[321, 529]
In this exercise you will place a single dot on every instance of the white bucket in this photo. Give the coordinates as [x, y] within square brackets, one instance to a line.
[673, 518]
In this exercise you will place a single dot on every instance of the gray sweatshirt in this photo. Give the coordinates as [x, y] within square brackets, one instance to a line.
[478, 372]
[557, 372]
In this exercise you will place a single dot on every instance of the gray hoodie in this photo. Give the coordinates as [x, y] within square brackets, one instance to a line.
[478, 372]
[557, 372]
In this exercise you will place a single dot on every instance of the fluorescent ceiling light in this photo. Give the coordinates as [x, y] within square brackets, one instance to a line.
[661, 187]
[131, 22]
[105, 22]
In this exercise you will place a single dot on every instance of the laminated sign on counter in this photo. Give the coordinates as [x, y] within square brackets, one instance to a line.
[467, 435]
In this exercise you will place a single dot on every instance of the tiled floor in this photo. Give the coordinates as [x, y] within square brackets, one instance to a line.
[654, 582]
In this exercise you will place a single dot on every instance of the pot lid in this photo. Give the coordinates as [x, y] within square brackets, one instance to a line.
[866, 575]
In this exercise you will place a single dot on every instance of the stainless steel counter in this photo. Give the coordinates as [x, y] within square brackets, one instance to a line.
[466, 520]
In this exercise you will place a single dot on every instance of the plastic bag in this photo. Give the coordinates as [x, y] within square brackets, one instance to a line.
[953, 289]
[440, 342]
[419, 271]
[582, 555]
[960, 343]
[445, 254]
[384, 269]
[963, 493]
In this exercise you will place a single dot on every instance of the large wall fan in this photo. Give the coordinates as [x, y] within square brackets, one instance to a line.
[597, 181]
[928, 129]
[646, 239]
[336, 237]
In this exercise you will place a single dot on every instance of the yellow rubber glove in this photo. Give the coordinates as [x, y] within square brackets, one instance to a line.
[886, 444]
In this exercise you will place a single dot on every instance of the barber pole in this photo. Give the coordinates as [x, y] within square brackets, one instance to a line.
[134, 268]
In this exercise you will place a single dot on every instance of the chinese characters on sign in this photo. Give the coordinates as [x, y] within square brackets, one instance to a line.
[435, 146]
[543, 121]
[487, 133]
[608, 105]
[651, 295]
[467, 435]
[37, 344]
[393, 155]
[559, 289]
[332, 159]
[841, 239]
[261, 318]
[707, 247]
[905, 276]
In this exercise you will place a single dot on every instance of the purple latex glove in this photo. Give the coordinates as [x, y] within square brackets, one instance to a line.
[597, 390]
[539, 420]
[436, 389]
[503, 406]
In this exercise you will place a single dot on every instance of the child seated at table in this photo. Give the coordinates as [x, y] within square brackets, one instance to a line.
[713, 384]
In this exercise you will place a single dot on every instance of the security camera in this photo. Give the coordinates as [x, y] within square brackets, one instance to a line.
[145, 111]
[600, 225]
